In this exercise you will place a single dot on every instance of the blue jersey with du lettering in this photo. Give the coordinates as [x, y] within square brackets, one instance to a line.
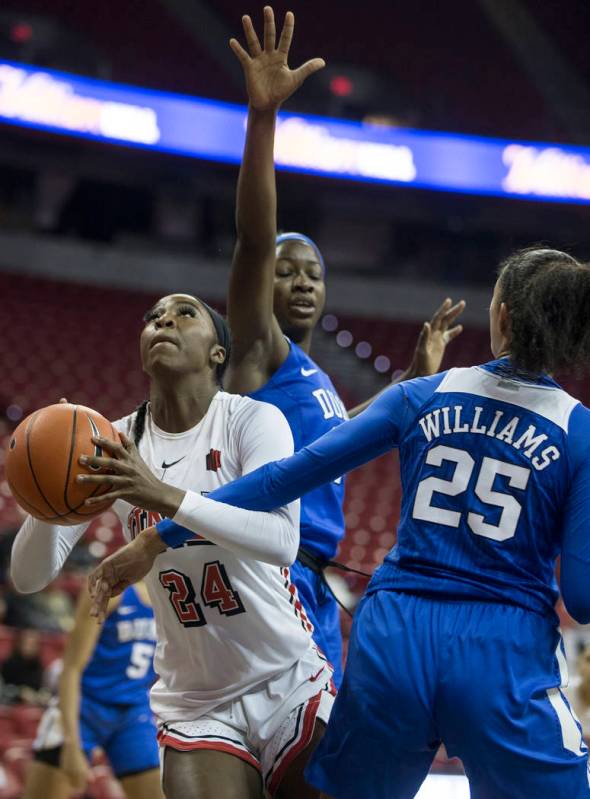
[121, 670]
[496, 483]
[306, 396]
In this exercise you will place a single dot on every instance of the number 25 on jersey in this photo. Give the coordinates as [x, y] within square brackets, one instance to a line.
[517, 478]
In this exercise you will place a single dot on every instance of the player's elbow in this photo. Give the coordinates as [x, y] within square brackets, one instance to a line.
[575, 595]
[285, 553]
[23, 580]
[578, 607]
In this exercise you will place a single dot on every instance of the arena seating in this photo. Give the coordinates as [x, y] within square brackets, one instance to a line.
[81, 342]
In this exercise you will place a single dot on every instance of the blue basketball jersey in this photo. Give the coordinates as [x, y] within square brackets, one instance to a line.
[496, 483]
[487, 463]
[121, 670]
[306, 396]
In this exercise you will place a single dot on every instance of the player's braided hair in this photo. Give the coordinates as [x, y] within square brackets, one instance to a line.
[547, 293]
[139, 423]
[223, 335]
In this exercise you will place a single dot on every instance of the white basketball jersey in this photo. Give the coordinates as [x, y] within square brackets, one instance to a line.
[224, 624]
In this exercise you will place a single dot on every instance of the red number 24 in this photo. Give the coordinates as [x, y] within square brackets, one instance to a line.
[216, 592]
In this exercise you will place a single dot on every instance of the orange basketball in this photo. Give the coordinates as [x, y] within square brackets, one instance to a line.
[42, 462]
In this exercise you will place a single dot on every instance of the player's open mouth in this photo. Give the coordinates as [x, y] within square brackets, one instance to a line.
[305, 306]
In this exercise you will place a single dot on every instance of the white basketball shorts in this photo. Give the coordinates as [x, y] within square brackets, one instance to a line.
[267, 727]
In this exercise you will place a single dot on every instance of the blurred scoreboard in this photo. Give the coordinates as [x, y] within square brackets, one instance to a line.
[65, 104]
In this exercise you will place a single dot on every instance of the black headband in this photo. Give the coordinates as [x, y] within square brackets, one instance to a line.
[223, 335]
[220, 325]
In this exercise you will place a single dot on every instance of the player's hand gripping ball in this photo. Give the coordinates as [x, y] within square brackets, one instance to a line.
[42, 463]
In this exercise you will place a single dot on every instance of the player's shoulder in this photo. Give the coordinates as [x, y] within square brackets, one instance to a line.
[125, 423]
[240, 409]
[421, 389]
[578, 434]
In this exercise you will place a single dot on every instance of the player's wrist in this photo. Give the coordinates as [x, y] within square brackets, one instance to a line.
[169, 500]
[266, 115]
[151, 542]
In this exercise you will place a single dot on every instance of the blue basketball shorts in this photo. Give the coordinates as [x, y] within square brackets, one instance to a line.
[126, 733]
[323, 612]
[483, 678]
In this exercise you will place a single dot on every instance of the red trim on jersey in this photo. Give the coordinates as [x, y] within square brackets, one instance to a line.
[299, 745]
[294, 600]
[216, 746]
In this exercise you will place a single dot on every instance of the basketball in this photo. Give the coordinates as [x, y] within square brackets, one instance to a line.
[42, 462]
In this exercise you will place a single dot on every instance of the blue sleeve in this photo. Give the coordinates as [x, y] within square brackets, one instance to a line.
[575, 552]
[367, 436]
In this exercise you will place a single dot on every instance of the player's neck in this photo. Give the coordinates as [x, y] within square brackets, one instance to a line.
[303, 341]
[178, 409]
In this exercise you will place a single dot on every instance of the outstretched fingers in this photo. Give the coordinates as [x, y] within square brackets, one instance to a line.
[453, 333]
[440, 312]
[270, 33]
[239, 51]
[287, 34]
[453, 312]
[251, 37]
[303, 72]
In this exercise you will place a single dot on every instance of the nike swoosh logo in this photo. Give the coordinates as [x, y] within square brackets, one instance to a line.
[308, 372]
[125, 611]
[169, 465]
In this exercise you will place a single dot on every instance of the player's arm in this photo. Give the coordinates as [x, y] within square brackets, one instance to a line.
[430, 348]
[39, 551]
[262, 434]
[345, 447]
[259, 347]
[575, 548]
[236, 516]
[81, 643]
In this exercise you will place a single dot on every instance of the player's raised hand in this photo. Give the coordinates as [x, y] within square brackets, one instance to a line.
[434, 337]
[269, 80]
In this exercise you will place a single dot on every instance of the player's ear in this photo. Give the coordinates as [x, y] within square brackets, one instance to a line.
[504, 321]
[217, 354]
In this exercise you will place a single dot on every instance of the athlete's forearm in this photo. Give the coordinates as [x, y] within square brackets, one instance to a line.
[39, 552]
[250, 295]
[69, 704]
[256, 202]
[269, 537]
[344, 448]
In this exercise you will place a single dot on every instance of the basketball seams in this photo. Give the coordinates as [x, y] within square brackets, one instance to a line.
[28, 433]
[70, 458]
[48, 468]
[25, 504]
[92, 512]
